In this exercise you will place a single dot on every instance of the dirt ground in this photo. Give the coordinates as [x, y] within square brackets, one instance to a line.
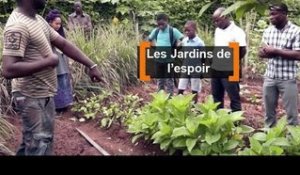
[116, 141]
[68, 141]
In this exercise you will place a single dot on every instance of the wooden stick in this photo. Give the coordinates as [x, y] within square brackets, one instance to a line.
[91, 141]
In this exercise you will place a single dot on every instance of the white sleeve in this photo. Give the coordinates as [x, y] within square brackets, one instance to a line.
[240, 37]
[216, 37]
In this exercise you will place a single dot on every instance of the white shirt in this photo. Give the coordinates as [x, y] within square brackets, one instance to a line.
[223, 37]
[232, 33]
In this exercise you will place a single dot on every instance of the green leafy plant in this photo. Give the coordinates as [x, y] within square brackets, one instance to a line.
[121, 111]
[293, 137]
[177, 125]
[271, 141]
[90, 107]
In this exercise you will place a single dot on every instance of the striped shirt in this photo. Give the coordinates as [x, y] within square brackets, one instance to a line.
[286, 38]
[29, 39]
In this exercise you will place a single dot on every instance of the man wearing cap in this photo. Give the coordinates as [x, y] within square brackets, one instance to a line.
[281, 49]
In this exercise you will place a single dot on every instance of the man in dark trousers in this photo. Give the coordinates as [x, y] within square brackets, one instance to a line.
[281, 48]
[225, 33]
[28, 59]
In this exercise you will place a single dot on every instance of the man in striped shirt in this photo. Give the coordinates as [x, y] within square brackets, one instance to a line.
[28, 59]
[281, 46]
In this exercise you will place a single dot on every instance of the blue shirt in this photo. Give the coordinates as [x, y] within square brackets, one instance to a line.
[163, 37]
[195, 42]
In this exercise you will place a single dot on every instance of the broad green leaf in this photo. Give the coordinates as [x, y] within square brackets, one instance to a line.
[255, 146]
[197, 152]
[179, 143]
[178, 132]
[204, 8]
[240, 12]
[216, 149]
[236, 116]
[278, 130]
[232, 144]
[165, 144]
[245, 152]
[260, 136]
[206, 148]
[246, 129]
[223, 112]
[104, 122]
[275, 150]
[144, 126]
[261, 9]
[190, 143]
[151, 118]
[192, 124]
[165, 129]
[182, 103]
[221, 122]
[157, 137]
[281, 141]
[212, 138]
[136, 137]
[235, 6]
[295, 132]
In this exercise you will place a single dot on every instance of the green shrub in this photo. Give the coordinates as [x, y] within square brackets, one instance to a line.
[177, 125]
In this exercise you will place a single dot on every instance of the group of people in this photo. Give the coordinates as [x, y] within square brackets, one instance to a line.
[225, 33]
[64, 96]
[280, 47]
[35, 57]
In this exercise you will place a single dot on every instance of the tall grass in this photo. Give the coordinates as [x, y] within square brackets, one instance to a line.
[6, 129]
[114, 49]
[206, 35]
[5, 99]
[6, 132]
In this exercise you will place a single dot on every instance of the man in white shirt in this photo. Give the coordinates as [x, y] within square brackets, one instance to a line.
[225, 33]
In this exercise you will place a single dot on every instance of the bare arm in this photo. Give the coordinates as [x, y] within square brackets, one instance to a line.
[12, 67]
[288, 54]
[73, 52]
[261, 53]
[268, 52]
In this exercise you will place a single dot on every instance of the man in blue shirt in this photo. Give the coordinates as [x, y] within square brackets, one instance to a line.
[164, 36]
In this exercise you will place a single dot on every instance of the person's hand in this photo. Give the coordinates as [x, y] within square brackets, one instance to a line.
[52, 60]
[269, 50]
[179, 44]
[262, 53]
[95, 75]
